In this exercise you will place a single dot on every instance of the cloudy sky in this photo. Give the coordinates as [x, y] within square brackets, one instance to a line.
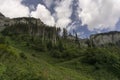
[84, 16]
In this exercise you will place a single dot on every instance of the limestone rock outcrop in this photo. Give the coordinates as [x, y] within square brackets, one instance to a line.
[110, 38]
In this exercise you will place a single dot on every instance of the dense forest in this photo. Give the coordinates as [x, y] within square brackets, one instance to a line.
[29, 51]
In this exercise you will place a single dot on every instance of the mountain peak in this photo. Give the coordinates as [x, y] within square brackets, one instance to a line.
[1, 15]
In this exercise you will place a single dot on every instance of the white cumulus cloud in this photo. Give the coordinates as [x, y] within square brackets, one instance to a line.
[44, 14]
[63, 11]
[99, 14]
[13, 8]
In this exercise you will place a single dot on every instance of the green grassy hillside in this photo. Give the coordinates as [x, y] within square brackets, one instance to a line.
[20, 61]
[31, 52]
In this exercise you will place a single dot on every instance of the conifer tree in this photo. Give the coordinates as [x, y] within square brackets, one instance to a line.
[65, 34]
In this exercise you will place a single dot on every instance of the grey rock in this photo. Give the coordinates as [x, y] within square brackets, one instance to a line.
[4, 21]
[110, 38]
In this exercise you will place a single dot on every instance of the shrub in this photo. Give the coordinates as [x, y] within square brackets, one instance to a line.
[8, 51]
[2, 40]
[66, 54]
[71, 53]
[2, 69]
[22, 55]
[56, 54]
[39, 47]
[93, 56]
[60, 46]
[100, 56]
[49, 45]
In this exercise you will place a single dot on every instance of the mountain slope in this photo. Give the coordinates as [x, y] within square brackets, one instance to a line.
[30, 50]
[20, 62]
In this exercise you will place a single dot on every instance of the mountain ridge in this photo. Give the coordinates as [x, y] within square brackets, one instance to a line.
[100, 39]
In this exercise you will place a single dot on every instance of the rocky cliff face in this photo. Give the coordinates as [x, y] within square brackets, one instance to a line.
[110, 38]
[103, 39]
[29, 26]
[4, 22]
[26, 20]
